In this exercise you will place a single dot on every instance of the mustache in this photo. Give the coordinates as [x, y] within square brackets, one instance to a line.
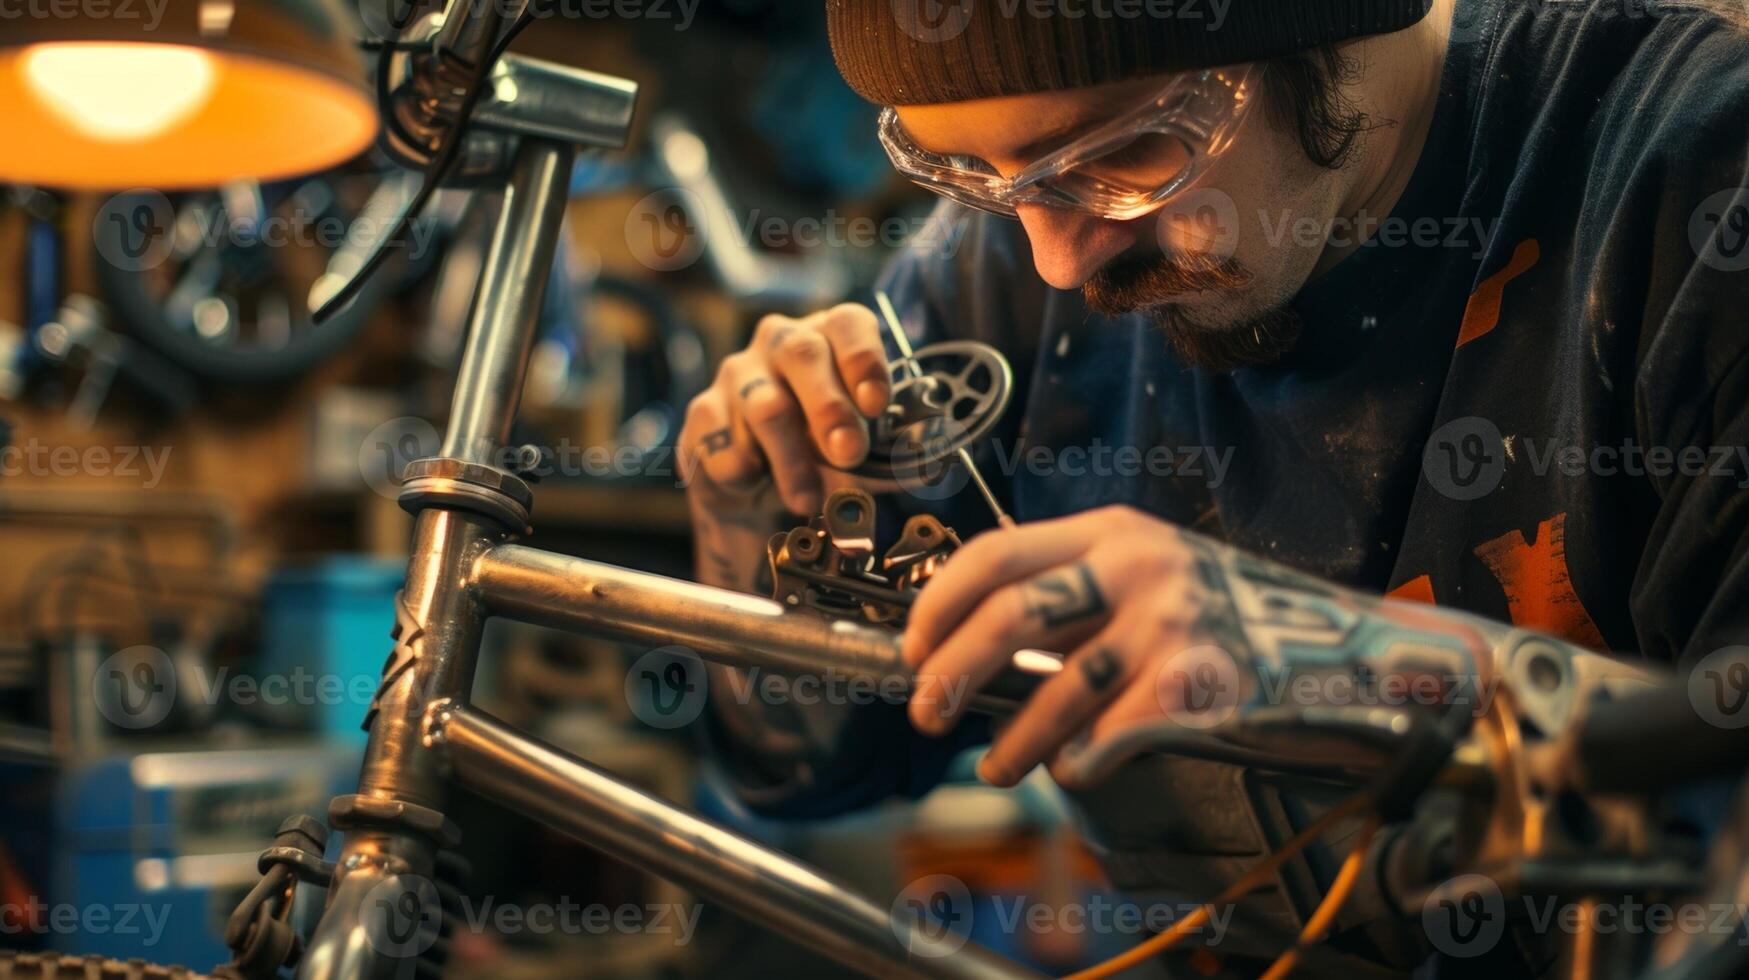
[1136, 282]
[1150, 283]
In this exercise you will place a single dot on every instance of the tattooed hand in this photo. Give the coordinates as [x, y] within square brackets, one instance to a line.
[1158, 625]
[789, 407]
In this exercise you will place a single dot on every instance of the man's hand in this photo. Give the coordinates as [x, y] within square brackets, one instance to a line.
[1115, 589]
[792, 406]
[764, 438]
[1165, 629]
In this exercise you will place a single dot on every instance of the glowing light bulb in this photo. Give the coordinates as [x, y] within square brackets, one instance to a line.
[119, 92]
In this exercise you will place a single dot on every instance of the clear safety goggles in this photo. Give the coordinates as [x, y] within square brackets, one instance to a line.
[1120, 170]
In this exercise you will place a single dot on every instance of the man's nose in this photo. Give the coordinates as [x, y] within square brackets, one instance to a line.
[1069, 246]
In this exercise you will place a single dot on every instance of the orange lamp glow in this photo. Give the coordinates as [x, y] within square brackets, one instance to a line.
[215, 92]
[119, 93]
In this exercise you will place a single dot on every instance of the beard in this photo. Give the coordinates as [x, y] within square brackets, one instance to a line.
[1149, 284]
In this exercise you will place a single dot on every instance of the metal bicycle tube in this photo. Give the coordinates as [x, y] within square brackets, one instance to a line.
[593, 598]
[596, 599]
[501, 328]
[763, 885]
[438, 619]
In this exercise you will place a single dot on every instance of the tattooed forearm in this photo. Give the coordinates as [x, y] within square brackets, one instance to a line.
[731, 548]
[733, 570]
[1251, 605]
[724, 565]
[1283, 619]
[1217, 617]
[1063, 595]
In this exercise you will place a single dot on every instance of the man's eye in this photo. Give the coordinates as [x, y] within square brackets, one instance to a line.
[1150, 159]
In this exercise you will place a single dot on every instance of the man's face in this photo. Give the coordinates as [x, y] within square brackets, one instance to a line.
[1215, 267]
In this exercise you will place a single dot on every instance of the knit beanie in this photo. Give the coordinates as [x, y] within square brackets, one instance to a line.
[914, 52]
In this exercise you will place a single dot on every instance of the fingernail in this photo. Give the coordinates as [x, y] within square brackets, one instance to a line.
[924, 717]
[871, 397]
[993, 774]
[846, 445]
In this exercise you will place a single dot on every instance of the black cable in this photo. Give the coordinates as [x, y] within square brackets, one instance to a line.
[386, 109]
[435, 173]
[386, 48]
[378, 44]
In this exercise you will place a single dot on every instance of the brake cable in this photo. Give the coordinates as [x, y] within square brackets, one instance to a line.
[1258, 875]
[434, 175]
[1390, 796]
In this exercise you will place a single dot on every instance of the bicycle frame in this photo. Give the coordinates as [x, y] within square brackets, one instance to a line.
[464, 569]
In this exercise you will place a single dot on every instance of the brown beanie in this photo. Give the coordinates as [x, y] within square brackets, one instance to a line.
[913, 52]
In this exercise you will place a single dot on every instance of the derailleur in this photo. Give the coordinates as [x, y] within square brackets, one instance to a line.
[830, 563]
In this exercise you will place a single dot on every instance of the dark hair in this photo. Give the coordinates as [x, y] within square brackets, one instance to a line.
[1304, 91]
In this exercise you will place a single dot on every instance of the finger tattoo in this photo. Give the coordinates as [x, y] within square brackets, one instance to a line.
[753, 386]
[1063, 595]
[716, 442]
[1100, 668]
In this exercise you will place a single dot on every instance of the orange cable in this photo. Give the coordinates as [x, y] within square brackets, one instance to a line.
[1251, 880]
[1326, 911]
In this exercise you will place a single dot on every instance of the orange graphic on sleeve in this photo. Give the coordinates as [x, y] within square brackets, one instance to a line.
[1483, 312]
[1417, 589]
[1538, 583]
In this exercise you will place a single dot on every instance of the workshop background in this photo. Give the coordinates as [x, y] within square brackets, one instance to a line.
[196, 478]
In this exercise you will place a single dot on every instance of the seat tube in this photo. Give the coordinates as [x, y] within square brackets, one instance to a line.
[394, 824]
[501, 327]
[437, 631]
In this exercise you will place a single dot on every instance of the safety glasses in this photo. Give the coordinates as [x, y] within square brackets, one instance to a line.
[1119, 170]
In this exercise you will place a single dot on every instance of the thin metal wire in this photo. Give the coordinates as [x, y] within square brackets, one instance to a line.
[891, 316]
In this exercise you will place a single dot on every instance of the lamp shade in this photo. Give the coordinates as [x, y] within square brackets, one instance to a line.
[182, 93]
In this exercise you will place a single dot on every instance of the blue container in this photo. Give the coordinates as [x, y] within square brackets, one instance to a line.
[325, 637]
[156, 849]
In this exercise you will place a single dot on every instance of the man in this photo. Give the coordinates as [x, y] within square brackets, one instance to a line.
[1440, 300]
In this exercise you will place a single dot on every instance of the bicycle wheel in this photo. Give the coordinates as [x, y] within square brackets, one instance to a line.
[219, 281]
